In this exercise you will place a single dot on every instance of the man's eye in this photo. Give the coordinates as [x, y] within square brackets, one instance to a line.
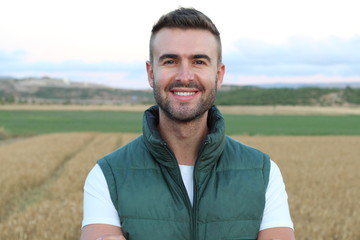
[169, 62]
[199, 62]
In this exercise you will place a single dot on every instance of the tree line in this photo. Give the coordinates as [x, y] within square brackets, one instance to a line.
[288, 96]
[230, 95]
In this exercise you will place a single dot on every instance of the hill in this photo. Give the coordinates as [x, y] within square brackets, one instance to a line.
[62, 91]
[309, 96]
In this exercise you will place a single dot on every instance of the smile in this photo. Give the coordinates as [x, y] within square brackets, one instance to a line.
[184, 93]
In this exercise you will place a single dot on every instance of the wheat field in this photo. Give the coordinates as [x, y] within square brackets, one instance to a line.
[42, 177]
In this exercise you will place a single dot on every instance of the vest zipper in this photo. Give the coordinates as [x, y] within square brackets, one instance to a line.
[195, 200]
[181, 184]
[192, 208]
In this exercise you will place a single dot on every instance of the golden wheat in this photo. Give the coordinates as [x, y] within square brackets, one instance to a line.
[27, 164]
[57, 213]
[47, 174]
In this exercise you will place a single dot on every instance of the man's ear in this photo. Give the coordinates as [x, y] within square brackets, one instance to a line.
[220, 75]
[150, 74]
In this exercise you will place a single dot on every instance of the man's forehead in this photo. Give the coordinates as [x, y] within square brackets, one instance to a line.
[175, 40]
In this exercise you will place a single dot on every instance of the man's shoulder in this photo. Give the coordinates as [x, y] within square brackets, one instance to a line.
[126, 151]
[231, 142]
[239, 150]
[129, 146]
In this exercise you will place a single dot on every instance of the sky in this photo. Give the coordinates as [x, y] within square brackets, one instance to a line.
[106, 41]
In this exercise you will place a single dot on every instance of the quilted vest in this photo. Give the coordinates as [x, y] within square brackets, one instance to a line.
[146, 187]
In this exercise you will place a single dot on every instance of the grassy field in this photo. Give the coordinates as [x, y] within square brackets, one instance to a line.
[42, 177]
[29, 122]
[25, 122]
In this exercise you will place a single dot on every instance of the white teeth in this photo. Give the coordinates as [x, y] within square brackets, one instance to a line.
[184, 93]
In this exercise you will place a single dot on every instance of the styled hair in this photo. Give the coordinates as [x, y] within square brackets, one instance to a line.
[186, 18]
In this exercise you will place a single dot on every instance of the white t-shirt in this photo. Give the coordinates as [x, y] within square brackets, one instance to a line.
[99, 209]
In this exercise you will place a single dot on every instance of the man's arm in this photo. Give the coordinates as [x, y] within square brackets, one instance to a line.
[101, 232]
[100, 215]
[278, 233]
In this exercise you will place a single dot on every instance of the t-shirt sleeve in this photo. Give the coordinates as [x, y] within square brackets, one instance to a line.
[98, 207]
[276, 212]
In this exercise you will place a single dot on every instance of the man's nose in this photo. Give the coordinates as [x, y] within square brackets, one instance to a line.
[185, 73]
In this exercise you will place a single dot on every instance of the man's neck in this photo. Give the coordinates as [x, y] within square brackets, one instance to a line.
[184, 139]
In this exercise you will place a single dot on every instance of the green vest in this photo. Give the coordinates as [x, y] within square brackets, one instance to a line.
[146, 187]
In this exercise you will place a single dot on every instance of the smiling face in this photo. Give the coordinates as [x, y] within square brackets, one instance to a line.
[184, 72]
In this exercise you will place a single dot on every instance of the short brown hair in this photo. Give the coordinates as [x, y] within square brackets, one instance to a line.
[186, 18]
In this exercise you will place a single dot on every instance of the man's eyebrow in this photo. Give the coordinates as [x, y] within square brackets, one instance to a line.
[197, 56]
[168, 55]
[175, 56]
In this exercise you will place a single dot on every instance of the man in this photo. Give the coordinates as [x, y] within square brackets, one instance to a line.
[183, 178]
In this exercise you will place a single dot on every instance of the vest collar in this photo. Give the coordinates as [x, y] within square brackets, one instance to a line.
[209, 153]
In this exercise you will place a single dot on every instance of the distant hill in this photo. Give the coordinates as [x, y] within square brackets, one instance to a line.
[311, 96]
[62, 91]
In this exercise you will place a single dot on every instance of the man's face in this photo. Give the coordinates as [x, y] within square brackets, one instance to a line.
[184, 72]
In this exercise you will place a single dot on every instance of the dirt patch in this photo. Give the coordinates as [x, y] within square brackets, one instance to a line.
[257, 110]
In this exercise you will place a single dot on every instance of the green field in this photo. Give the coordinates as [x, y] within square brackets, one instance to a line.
[18, 122]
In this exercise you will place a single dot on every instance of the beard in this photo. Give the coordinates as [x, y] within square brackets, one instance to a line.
[184, 113]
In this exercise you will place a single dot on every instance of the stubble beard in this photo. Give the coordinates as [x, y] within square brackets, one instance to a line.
[184, 113]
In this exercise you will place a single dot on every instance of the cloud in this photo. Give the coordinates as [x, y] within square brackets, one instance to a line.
[116, 74]
[298, 56]
[7, 57]
[331, 58]
[68, 65]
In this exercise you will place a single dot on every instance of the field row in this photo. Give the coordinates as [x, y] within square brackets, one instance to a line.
[42, 179]
[26, 122]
